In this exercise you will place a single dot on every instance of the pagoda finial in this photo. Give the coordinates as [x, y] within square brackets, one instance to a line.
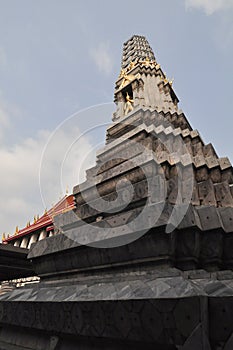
[136, 48]
[3, 237]
[142, 78]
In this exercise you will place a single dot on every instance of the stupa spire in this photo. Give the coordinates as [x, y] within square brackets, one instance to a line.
[143, 80]
[136, 48]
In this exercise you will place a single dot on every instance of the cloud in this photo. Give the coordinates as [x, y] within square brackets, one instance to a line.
[63, 156]
[102, 58]
[20, 168]
[209, 6]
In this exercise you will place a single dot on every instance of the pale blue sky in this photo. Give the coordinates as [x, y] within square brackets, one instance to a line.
[57, 57]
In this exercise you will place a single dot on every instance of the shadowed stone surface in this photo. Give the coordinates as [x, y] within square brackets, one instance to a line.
[14, 263]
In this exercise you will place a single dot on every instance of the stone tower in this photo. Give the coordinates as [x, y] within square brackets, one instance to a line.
[145, 259]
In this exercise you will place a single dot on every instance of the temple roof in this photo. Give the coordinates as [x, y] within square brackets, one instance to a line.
[46, 220]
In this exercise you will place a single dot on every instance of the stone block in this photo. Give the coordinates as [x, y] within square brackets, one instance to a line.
[224, 163]
[220, 319]
[197, 340]
[187, 316]
[223, 195]
[226, 218]
[209, 218]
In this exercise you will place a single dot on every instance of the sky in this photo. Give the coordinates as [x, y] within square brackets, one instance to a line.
[59, 61]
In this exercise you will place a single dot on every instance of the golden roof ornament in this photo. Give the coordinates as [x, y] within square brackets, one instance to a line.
[126, 80]
[132, 65]
[147, 61]
[167, 80]
[150, 63]
[122, 73]
[3, 236]
[171, 82]
[16, 230]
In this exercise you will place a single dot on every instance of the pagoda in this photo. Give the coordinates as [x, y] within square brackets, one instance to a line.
[144, 259]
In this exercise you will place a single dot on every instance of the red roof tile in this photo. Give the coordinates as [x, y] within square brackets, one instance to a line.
[65, 204]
